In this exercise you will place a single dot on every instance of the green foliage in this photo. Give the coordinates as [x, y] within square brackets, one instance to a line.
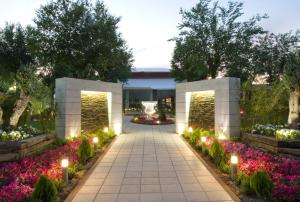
[195, 136]
[103, 137]
[244, 181]
[72, 170]
[263, 104]
[213, 38]
[45, 190]
[82, 41]
[186, 134]
[84, 151]
[217, 153]
[261, 184]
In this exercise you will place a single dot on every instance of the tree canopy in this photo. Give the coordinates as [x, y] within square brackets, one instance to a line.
[212, 39]
[80, 39]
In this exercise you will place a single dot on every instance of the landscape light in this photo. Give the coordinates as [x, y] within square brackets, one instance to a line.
[234, 161]
[64, 164]
[190, 129]
[95, 141]
[203, 142]
[203, 139]
[106, 129]
[158, 122]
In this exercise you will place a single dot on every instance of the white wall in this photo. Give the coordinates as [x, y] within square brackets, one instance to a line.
[68, 101]
[227, 108]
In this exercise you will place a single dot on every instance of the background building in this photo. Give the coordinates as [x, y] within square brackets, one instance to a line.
[148, 84]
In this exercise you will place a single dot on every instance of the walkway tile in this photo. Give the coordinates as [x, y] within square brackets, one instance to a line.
[150, 164]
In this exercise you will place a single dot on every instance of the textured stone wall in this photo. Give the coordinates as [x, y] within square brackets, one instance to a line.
[94, 111]
[202, 110]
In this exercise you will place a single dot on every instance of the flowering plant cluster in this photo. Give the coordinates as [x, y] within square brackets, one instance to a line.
[22, 132]
[17, 179]
[277, 131]
[284, 172]
[151, 121]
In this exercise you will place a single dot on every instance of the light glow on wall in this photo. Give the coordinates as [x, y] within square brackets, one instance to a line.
[109, 106]
[117, 128]
[181, 128]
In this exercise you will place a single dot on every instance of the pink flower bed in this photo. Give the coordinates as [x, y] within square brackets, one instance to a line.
[284, 172]
[152, 121]
[17, 179]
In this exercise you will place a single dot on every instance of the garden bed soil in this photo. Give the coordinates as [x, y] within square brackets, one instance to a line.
[271, 144]
[16, 150]
[69, 191]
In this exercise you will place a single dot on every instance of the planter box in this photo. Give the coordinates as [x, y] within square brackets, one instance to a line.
[271, 144]
[16, 150]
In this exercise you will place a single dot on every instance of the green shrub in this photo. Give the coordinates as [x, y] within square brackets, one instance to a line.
[45, 190]
[186, 134]
[244, 181]
[261, 184]
[162, 116]
[217, 153]
[85, 151]
[194, 137]
[72, 170]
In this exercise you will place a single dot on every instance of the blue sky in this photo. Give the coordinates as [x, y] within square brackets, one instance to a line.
[146, 25]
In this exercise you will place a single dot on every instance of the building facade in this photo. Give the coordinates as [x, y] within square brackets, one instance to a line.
[148, 84]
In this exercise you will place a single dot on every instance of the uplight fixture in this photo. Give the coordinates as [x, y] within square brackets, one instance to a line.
[106, 130]
[95, 141]
[190, 129]
[203, 143]
[234, 160]
[65, 164]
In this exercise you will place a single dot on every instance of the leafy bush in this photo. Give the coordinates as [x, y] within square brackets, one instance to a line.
[162, 116]
[244, 181]
[261, 184]
[72, 170]
[84, 151]
[45, 190]
[287, 134]
[217, 153]
[194, 137]
[186, 134]
[105, 137]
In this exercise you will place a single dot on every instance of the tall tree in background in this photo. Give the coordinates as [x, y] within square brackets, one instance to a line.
[212, 39]
[277, 60]
[79, 39]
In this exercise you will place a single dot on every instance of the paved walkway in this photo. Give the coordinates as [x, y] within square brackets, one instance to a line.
[150, 163]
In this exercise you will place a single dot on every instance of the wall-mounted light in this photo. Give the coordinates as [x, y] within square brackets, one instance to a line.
[234, 160]
[64, 164]
[190, 129]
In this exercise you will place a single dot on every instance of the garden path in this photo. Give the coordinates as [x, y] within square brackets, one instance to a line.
[150, 163]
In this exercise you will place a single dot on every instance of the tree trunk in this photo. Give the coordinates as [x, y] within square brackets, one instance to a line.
[18, 110]
[294, 107]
